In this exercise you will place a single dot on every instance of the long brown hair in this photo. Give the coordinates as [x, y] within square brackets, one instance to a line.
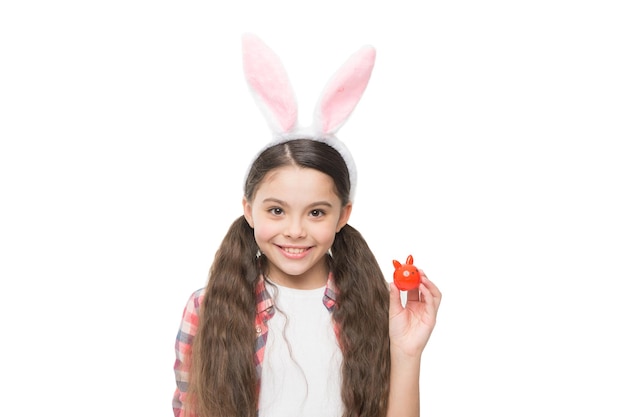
[223, 380]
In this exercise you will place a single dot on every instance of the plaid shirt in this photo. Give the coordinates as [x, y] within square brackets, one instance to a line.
[189, 327]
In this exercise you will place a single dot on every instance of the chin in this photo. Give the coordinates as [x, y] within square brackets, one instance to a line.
[296, 268]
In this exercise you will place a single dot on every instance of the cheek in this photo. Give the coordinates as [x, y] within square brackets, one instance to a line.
[264, 231]
[326, 234]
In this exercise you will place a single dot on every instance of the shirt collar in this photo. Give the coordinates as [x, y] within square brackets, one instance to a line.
[264, 302]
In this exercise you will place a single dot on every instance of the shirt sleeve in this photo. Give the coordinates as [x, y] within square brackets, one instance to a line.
[184, 339]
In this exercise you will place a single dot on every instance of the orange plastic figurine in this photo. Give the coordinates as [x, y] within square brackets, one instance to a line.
[406, 276]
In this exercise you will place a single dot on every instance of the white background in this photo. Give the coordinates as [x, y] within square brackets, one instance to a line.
[489, 145]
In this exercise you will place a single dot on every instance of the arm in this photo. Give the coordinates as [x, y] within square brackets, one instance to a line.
[410, 328]
[184, 340]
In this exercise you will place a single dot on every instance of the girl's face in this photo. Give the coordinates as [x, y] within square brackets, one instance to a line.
[295, 214]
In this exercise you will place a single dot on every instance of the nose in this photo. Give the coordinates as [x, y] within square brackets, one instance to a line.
[295, 228]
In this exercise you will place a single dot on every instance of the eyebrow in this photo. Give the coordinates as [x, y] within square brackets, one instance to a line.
[283, 203]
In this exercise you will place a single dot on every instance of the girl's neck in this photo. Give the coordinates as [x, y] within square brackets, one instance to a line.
[313, 278]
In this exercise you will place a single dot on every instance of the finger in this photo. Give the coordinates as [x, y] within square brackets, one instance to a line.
[395, 303]
[432, 288]
[413, 295]
[430, 301]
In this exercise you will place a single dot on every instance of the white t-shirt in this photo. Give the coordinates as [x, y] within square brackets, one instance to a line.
[301, 374]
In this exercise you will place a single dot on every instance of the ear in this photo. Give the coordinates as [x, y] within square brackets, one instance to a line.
[344, 217]
[409, 260]
[247, 212]
[396, 264]
[344, 91]
[269, 84]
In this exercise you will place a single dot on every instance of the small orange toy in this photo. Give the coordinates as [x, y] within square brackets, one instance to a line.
[406, 276]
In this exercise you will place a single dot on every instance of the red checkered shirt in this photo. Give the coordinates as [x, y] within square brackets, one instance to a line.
[189, 326]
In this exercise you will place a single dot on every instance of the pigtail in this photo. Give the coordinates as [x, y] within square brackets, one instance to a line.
[223, 377]
[362, 314]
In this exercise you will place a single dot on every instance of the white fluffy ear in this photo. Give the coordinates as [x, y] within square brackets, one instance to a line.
[269, 84]
[343, 92]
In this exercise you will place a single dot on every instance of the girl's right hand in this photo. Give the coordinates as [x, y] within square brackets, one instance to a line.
[410, 326]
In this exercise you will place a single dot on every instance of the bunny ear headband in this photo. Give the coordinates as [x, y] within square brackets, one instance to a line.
[271, 90]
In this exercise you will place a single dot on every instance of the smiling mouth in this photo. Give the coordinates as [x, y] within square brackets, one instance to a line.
[293, 251]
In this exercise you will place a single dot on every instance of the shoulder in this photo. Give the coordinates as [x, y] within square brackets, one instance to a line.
[195, 299]
[191, 312]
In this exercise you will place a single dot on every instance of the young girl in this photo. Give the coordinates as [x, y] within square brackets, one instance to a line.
[297, 318]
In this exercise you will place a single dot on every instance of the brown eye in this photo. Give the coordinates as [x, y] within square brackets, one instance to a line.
[317, 213]
[276, 211]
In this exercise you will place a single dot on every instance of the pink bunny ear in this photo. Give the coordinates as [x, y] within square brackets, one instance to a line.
[267, 78]
[343, 91]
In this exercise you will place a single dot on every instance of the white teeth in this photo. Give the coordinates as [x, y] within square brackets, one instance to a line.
[294, 250]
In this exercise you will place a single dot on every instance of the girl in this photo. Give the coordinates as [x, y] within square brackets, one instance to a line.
[297, 318]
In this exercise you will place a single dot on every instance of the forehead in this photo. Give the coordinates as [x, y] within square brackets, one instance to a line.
[293, 182]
